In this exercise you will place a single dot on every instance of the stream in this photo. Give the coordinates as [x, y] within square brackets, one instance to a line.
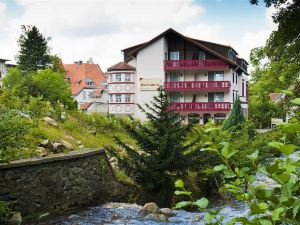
[129, 214]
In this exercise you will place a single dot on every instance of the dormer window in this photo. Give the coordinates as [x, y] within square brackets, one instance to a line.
[118, 77]
[90, 82]
[231, 55]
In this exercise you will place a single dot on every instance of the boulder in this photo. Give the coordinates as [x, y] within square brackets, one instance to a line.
[79, 142]
[150, 207]
[42, 152]
[93, 132]
[16, 219]
[47, 145]
[66, 144]
[154, 216]
[81, 146]
[58, 147]
[50, 121]
[168, 212]
[114, 162]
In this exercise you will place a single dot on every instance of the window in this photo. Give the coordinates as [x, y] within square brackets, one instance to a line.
[236, 78]
[174, 55]
[111, 98]
[111, 78]
[201, 55]
[174, 97]
[216, 75]
[243, 88]
[118, 77]
[127, 77]
[233, 96]
[174, 76]
[127, 97]
[216, 96]
[219, 97]
[118, 98]
[231, 55]
[232, 77]
[84, 95]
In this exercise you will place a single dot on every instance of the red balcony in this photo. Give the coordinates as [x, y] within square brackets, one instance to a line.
[195, 64]
[200, 106]
[197, 85]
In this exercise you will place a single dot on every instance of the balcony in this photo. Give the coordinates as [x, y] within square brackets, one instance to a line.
[195, 64]
[197, 85]
[200, 106]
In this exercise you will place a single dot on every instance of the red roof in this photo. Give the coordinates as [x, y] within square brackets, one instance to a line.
[121, 66]
[79, 74]
[85, 105]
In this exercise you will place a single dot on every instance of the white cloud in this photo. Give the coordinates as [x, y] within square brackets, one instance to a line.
[101, 28]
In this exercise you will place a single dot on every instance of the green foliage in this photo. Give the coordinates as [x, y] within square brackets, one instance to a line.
[276, 65]
[161, 142]
[5, 211]
[236, 117]
[52, 87]
[13, 128]
[37, 108]
[276, 204]
[34, 51]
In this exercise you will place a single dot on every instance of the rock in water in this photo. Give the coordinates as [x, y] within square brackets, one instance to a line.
[168, 212]
[42, 152]
[150, 207]
[50, 121]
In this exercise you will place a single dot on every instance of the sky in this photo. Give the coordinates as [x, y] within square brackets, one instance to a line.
[100, 29]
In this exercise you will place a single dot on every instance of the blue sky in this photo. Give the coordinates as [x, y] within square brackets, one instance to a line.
[81, 29]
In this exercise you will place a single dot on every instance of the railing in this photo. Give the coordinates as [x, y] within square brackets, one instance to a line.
[200, 106]
[195, 64]
[197, 85]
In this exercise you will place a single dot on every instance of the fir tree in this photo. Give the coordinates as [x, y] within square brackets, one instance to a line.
[34, 51]
[161, 141]
[236, 116]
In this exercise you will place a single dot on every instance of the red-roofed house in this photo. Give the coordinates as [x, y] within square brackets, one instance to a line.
[88, 86]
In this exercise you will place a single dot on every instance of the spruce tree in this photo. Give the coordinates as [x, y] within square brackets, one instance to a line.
[34, 51]
[161, 141]
[236, 116]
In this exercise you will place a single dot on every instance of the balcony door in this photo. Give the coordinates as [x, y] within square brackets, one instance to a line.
[216, 96]
[174, 55]
[174, 97]
[216, 76]
[174, 76]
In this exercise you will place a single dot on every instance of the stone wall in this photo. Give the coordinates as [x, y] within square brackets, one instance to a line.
[58, 183]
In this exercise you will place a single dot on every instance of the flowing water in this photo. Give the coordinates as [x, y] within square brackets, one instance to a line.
[128, 214]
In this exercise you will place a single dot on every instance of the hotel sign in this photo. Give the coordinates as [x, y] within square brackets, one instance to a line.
[150, 84]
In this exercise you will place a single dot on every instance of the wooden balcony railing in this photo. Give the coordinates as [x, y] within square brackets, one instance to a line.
[197, 85]
[195, 64]
[200, 106]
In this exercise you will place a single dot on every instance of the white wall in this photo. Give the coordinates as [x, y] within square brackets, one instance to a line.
[149, 65]
[80, 97]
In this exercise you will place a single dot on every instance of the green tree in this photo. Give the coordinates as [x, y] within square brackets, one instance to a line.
[34, 50]
[236, 116]
[52, 87]
[162, 145]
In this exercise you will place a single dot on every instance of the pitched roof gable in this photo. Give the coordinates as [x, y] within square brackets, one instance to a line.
[121, 66]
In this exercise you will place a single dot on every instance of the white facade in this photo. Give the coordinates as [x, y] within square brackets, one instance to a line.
[200, 103]
[3, 71]
[121, 91]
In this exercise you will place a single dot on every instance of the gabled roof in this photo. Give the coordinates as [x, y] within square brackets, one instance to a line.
[121, 66]
[76, 73]
[4, 60]
[218, 50]
[85, 106]
[197, 43]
